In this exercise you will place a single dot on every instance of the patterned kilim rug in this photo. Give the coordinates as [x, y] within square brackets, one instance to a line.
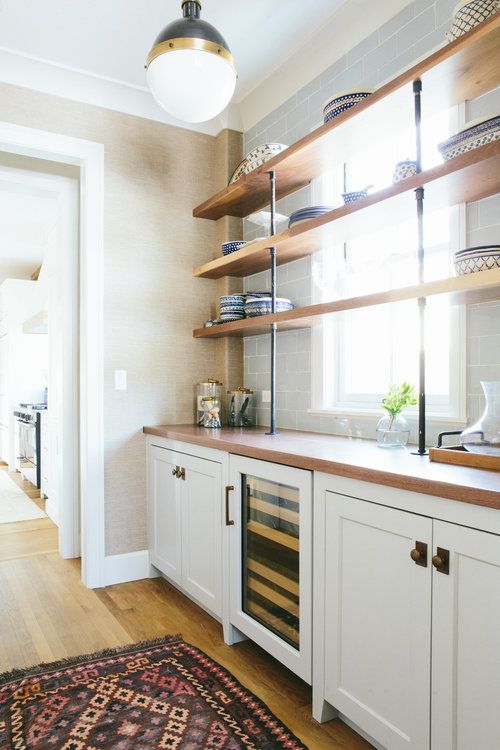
[159, 694]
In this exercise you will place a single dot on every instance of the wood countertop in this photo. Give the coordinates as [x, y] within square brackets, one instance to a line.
[347, 457]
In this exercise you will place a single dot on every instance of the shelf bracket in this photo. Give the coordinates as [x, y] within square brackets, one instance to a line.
[274, 327]
[419, 195]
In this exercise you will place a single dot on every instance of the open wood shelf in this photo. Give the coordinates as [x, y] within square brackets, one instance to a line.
[469, 177]
[464, 69]
[469, 289]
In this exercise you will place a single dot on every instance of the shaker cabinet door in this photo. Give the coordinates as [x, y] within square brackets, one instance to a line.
[378, 621]
[201, 508]
[466, 640]
[164, 513]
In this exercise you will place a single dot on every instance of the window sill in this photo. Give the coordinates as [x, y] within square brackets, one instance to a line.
[374, 415]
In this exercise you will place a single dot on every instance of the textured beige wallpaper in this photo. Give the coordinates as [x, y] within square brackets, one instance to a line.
[154, 175]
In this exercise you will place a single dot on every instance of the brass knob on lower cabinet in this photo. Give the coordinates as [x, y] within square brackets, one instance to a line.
[441, 561]
[419, 554]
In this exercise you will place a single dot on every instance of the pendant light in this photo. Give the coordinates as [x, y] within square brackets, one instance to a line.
[190, 70]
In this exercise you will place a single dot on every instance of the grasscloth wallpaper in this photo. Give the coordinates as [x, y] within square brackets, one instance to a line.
[154, 175]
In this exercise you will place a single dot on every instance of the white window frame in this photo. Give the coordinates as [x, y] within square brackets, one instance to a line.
[323, 354]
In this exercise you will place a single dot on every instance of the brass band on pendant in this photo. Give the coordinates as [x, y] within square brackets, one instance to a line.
[171, 45]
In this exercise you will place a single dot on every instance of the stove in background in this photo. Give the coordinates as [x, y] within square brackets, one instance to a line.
[28, 416]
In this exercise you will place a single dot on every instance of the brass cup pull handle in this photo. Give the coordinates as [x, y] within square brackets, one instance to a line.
[229, 521]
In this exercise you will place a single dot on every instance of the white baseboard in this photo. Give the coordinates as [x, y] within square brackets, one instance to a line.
[52, 511]
[132, 566]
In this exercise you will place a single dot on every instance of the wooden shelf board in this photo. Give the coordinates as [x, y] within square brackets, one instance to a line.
[469, 177]
[462, 70]
[468, 289]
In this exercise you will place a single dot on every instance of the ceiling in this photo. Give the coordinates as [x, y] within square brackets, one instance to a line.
[28, 214]
[111, 38]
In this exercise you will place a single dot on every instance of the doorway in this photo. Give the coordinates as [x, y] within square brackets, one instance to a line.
[75, 254]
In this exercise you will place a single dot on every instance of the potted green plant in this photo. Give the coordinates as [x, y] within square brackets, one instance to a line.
[393, 431]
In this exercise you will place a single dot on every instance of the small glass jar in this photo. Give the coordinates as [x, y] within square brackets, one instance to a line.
[209, 388]
[240, 410]
[393, 432]
[211, 411]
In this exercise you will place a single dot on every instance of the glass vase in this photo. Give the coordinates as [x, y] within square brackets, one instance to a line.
[393, 432]
[484, 436]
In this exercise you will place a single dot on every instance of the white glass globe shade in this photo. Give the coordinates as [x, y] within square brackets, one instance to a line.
[192, 85]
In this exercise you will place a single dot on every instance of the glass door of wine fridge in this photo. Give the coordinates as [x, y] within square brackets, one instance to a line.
[271, 588]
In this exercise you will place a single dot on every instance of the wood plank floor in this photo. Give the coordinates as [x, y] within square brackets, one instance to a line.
[47, 614]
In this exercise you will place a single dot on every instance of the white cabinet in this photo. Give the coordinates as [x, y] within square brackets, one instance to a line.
[407, 652]
[466, 641]
[377, 620]
[270, 518]
[185, 520]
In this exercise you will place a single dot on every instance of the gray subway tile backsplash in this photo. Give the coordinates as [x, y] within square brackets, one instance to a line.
[415, 31]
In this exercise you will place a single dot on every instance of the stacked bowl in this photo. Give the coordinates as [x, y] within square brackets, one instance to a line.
[256, 306]
[356, 195]
[480, 258]
[475, 134]
[342, 101]
[232, 307]
[309, 212]
[231, 247]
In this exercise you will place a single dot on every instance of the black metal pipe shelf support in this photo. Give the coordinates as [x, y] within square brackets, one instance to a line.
[419, 195]
[274, 327]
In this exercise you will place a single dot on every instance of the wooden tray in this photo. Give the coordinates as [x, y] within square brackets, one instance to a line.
[456, 454]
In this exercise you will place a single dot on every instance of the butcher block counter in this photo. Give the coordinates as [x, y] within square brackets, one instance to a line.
[347, 457]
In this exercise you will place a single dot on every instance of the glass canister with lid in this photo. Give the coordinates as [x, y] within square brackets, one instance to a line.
[208, 399]
[240, 409]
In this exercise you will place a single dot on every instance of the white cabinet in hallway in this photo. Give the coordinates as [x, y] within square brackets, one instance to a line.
[466, 640]
[185, 520]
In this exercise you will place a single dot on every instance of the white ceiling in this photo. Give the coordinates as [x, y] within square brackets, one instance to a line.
[27, 217]
[111, 38]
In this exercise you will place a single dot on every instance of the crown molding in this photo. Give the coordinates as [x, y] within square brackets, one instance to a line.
[35, 73]
[352, 22]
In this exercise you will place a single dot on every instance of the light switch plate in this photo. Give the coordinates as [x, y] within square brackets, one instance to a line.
[120, 380]
[266, 397]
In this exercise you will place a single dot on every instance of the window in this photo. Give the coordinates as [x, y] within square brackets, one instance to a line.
[358, 354]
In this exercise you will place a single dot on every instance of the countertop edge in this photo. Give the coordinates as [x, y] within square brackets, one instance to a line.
[437, 488]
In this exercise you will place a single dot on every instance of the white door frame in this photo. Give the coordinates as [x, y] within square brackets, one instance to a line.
[89, 157]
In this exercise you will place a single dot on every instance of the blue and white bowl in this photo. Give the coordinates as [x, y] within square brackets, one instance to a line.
[342, 101]
[475, 134]
[256, 158]
[403, 170]
[309, 212]
[468, 14]
[356, 195]
[256, 294]
[474, 259]
[263, 306]
[231, 247]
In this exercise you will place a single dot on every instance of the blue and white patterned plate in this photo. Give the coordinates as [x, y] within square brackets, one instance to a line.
[475, 134]
[231, 247]
[342, 101]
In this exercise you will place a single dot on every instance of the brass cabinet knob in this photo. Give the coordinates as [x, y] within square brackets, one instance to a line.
[441, 560]
[175, 472]
[419, 554]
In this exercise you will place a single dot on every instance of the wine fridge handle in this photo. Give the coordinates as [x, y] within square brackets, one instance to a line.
[229, 488]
